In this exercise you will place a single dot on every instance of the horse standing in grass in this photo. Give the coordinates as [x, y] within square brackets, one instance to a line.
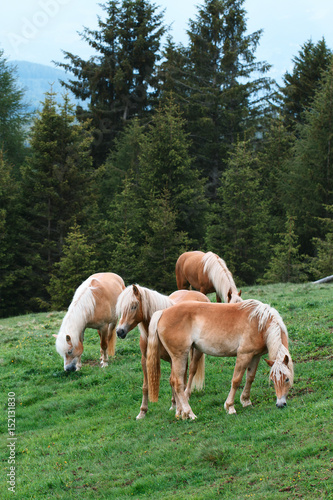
[136, 305]
[208, 273]
[93, 306]
[246, 330]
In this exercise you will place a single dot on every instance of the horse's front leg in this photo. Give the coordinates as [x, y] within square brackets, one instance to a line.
[250, 374]
[103, 333]
[242, 362]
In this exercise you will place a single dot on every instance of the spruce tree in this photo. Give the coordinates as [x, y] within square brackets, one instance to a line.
[308, 186]
[214, 77]
[57, 187]
[238, 230]
[166, 164]
[13, 115]
[76, 264]
[286, 264]
[119, 82]
[163, 245]
[300, 86]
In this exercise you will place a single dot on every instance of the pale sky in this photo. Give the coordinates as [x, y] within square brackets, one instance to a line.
[38, 30]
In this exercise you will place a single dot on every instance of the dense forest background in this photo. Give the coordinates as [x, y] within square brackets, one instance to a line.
[174, 148]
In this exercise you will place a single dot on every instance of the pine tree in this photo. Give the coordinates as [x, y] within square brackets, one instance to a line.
[214, 77]
[309, 184]
[286, 264]
[301, 85]
[119, 83]
[57, 187]
[76, 264]
[238, 230]
[13, 114]
[164, 243]
[166, 164]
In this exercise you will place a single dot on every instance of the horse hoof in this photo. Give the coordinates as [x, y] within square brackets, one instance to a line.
[245, 403]
[230, 409]
[104, 365]
[141, 415]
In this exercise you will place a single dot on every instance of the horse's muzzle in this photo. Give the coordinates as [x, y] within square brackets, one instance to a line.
[281, 404]
[70, 368]
[121, 333]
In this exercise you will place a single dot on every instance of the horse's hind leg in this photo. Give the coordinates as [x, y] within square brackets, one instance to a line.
[197, 356]
[177, 384]
[242, 362]
[144, 404]
[103, 333]
[250, 374]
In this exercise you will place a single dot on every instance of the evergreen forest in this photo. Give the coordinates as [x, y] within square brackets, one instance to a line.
[176, 147]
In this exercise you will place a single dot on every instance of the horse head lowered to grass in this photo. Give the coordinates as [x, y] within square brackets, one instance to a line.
[93, 306]
[135, 306]
[246, 330]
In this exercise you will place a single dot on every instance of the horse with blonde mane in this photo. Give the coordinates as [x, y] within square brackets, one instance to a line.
[93, 306]
[208, 273]
[246, 330]
[136, 305]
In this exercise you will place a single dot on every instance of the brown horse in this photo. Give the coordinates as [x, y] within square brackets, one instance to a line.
[136, 305]
[208, 273]
[93, 306]
[246, 330]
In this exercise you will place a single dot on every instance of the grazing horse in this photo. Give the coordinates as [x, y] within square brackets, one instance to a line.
[136, 305]
[93, 306]
[208, 273]
[246, 330]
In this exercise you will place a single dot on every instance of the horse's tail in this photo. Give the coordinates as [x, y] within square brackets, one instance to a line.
[153, 358]
[198, 382]
[112, 342]
[219, 275]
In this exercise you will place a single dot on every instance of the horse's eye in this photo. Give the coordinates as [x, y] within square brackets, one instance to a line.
[133, 307]
[70, 352]
[287, 379]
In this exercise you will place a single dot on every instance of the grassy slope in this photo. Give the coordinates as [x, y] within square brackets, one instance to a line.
[77, 436]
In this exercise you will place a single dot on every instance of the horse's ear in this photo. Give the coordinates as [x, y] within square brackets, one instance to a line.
[54, 335]
[269, 362]
[136, 291]
[229, 296]
[68, 340]
[286, 360]
[240, 292]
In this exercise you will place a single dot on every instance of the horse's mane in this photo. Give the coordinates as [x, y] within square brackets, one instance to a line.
[78, 314]
[270, 320]
[151, 301]
[219, 275]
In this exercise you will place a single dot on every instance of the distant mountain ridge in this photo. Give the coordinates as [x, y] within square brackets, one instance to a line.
[37, 79]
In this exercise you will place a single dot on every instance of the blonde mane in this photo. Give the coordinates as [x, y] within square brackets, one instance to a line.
[270, 320]
[78, 314]
[151, 301]
[220, 276]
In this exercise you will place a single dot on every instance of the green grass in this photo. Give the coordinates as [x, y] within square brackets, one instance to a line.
[77, 436]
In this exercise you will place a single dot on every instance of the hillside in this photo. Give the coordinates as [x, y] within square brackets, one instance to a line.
[76, 436]
[36, 79]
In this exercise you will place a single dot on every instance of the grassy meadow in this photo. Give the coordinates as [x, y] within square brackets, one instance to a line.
[77, 437]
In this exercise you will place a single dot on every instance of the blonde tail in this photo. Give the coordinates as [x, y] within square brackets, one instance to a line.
[112, 342]
[153, 358]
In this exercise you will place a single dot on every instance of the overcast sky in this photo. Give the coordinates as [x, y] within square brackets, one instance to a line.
[38, 30]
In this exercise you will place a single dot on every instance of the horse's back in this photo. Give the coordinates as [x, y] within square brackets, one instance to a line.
[185, 295]
[189, 269]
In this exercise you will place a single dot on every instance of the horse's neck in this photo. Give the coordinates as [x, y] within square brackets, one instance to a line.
[73, 324]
